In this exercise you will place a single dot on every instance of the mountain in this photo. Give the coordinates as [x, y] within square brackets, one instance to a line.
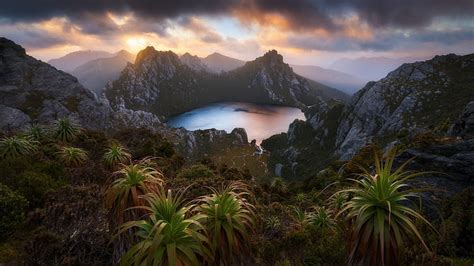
[336, 79]
[95, 74]
[194, 62]
[32, 91]
[413, 98]
[217, 62]
[416, 98]
[370, 68]
[347, 83]
[162, 83]
[72, 60]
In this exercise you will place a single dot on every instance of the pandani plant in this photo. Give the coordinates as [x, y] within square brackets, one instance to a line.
[381, 212]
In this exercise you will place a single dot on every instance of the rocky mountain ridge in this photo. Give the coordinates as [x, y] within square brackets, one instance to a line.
[33, 92]
[415, 98]
[165, 84]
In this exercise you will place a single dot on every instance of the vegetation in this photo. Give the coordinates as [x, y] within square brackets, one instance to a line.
[12, 210]
[72, 156]
[133, 181]
[16, 146]
[116, 154]
[229, 220]
[170, 234]
[65, 130]
[52, 209]
[379, 215]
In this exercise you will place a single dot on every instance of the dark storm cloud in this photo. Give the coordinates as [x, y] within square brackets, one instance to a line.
[299, 13]
[302, 16]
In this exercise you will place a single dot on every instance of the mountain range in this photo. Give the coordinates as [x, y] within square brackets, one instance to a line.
[165, 84]
[99, 69]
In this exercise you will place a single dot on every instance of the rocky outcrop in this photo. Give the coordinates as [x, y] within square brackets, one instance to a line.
[464, 126]
[308, 145]
[164, 84]
[32, 91]
[414, 97]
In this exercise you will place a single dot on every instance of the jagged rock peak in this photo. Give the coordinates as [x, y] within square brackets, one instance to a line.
[150, 55]
[272, 57]
[7, 46]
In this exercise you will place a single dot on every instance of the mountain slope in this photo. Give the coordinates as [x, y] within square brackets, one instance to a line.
[217, 62]
[95, 74]
[414, 97]
[72, 60]
[161, 83]
[336, 79]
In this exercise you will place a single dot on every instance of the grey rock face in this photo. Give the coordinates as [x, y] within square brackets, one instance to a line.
[464, 127]
[34, 92]
[414, 97]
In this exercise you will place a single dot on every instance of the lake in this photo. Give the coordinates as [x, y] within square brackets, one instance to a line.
[260, 121]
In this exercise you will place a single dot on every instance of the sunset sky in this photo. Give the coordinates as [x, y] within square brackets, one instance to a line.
[305, 32]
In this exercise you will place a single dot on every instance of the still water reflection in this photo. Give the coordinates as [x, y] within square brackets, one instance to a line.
[260, 121]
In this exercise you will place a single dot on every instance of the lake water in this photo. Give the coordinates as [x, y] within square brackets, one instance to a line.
[260, 121]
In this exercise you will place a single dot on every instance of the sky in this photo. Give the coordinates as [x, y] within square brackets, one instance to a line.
[305, 31]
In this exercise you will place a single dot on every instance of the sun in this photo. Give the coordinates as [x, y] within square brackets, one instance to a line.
[136, 44]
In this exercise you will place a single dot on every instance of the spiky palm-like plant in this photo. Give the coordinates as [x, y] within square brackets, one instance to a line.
[322, 220]
[302, 218]
[72, 156]
[116, 154]
[16, 146]
[169, 234]
[65, 130]
[380, 213]
[132, 181]
[230, 219]
[35, 132]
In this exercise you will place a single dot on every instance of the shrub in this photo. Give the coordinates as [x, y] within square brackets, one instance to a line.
[196, 171]
[33, 186]
[16, 146]
[65, 130]
[12, 210]
[72, 156]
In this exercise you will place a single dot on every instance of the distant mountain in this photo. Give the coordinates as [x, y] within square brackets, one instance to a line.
[194, 62]
[370, 68]
[72, 60]
[333, 78]
[217, 62]
[95, 74]
[162, 83]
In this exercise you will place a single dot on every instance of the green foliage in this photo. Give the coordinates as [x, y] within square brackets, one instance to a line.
[17, 146]
[170, 234]
[229, 219]
[321, 219]
[34, 186]
[72, 156]
[278, 184]
[65, 130]
[379, 214]
[12, 210]
[116, 154]
[133, 181]
[196, 171]
[35, 132]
